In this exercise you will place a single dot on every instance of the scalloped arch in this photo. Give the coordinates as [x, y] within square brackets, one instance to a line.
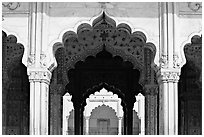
[17, 40]
[187, 41]
[103, 33]
[103, 105]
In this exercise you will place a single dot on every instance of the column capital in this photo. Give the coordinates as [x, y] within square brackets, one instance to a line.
[168, 75]
[40, 75]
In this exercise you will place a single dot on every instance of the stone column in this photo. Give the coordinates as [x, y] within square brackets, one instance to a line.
[39, 91]
[151, 93]
[119, 125]
[168, 104]
[87, 125]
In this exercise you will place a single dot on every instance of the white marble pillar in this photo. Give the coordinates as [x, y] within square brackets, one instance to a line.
[39, 82]
[119, 125]
[87, 125]
[168, 115]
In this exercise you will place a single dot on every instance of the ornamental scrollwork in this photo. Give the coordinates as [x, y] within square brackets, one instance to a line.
[31, 60]
[195, 6]
[11, 5]
[43, 61]
[176, 61]
[164, 61]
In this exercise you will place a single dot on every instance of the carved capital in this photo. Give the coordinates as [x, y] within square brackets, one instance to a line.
[168, 75]
[39, 75]
[164, 61]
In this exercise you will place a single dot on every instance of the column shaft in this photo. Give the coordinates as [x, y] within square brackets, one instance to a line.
[168, 120]
[120, 126]
[32, 108]
[39, 102]
[87, 126]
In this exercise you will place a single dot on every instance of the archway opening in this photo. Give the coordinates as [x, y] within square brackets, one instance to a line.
[190, 90]
[15, 88]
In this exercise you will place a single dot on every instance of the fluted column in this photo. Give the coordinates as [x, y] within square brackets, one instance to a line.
[151, 93]
[39, 91]
[168, 104]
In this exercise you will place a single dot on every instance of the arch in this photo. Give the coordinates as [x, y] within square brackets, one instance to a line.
[14, 36]
[103, 105]
[190, 88]
[103, 33]
[103, 92]
[188, 41]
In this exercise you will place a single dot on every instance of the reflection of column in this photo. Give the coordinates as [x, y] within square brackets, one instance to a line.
[87, 125]
[39, 81]
[119, 125]
[168, 111]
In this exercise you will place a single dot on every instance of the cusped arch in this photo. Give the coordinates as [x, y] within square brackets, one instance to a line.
[12, 53]
[188, 41]
[105, 106]
[108, 87]
[102, 92]
[104, 34]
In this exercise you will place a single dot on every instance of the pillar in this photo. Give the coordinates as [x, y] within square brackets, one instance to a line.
[87, 125]
[151, 93]
[119, 125]
[39, 91]
[168, 104]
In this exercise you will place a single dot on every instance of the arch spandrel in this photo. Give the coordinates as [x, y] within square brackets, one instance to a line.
[104, 34]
